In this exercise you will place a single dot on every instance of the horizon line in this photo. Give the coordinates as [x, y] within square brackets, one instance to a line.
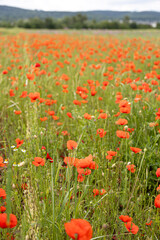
[80, 10]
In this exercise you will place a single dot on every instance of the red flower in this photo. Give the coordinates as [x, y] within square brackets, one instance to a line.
[69, 115]
[2, 193]
[135, 150]
[38, 161]
[96, 192]
[149, 224]
[48, 157]
[102, 116]
[101, 132]
[1, 162]
[121, 121]
[43, 148]
[131, 168]
[158, 172]
[2, 209]
[24, 94]
[19, 142]
[125, 218]
[34, 96]
[157, 201]
[78, 229]
[131, 227]
[122, 134]
[17, 112]
[71, 145]
[87, 116]
[3, 221]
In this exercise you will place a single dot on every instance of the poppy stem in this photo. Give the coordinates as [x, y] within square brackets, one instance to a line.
[52, 189]
[8, 190]
[135, 181]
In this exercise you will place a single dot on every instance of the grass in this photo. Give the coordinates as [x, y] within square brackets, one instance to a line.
[114, 67]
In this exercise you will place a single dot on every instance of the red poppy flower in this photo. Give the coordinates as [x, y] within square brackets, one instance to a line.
[158, 172]
[157, 201]
[43, 119]
[135, 150]
[19, 142]
[131, 168]
[101, 132]
[102, 116]
[149, 224]
[87, 116]
[78, 229]
[121, 121]
[24, 94]
[96, 192]
[2, 209]
[122, 134]
[17, 112]
[3, 221]
[69, 115]
[1, 162]
[2, 193]
[125, 218]
[48, 157]
[71, 145]
[38, 161]
[131, 227]
[34, 96]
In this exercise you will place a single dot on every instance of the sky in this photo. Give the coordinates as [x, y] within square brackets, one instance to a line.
[85, 5]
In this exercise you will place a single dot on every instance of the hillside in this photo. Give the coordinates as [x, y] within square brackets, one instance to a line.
[14, 13]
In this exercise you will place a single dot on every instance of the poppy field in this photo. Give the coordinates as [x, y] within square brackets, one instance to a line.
[79, 136]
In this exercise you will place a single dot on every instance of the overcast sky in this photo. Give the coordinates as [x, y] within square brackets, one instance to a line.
[83, 5]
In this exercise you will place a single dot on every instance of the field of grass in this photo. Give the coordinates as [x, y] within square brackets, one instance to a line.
[79, 135]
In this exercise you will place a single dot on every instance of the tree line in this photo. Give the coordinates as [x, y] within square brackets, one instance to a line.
[78, 21]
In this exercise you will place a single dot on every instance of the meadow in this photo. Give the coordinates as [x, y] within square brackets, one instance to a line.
[79, 135]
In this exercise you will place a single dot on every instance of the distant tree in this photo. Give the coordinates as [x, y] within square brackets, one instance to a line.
[158, 25]
[50, 23]
[133, 25]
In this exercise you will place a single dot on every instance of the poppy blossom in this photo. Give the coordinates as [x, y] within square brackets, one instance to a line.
[17, 112]
[2, 209]
[131, 168]
[101, 132]
[24, 94]
[48, 157]
[102, 116]
[34, 96]
[87, 116]
[43, 119]
[2, 193]
[121, 121]
[71, 161]
[157, 201]
[3, 221]
[96, 192]
[131, 227]
[125, 218]
[158, 188]
[79, 229]
[38, 161]
[69, 115]
[122, 134]
[19, 142]
[1, 162]
[71, 145]
[158, 172]
[135, 150]
[149, 224]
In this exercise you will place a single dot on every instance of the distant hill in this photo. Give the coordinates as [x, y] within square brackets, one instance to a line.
[14, 13]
